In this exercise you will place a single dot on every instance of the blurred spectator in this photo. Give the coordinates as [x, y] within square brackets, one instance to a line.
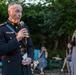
[35, 61]
[67, 60]
[42, 59]
[73, 42]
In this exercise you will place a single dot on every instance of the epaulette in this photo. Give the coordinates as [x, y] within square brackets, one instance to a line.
[3, 24]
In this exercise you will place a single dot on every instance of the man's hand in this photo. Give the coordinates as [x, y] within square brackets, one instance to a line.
[21, 34]
[26, 61]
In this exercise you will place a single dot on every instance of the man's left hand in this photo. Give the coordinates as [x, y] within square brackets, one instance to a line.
[26, 61]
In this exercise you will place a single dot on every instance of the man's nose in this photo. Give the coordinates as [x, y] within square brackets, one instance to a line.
[20, 14]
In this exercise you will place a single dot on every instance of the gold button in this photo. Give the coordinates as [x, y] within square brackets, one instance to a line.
[20, 46]
[27, 35]
[12, 23]
[8, 61]
[16, 27]
[10, 37]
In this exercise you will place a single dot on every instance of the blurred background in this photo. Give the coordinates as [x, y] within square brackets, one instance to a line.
[51, 22]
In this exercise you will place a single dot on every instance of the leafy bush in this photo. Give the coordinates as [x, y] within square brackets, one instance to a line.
[51, 25]
[54, 53]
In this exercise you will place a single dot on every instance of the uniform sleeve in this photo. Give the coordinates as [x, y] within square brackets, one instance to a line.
[6, 47]
[30, 48]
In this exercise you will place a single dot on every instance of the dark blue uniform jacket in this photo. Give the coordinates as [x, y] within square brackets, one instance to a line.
[10, 48]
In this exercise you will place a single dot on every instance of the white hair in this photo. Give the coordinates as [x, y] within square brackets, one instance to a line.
[13, 3]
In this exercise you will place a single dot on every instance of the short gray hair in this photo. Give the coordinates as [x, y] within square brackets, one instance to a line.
[12, 3]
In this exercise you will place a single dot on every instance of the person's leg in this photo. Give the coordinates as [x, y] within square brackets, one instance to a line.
[35, 64]
[68, 68]
[65, 60]
[70, 64]
[41, 71]
[32, 68]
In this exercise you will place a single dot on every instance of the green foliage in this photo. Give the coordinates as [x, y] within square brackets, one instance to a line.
[3, 12]
[51, 25]
[51, 22]
[54, 53]
[48, 24]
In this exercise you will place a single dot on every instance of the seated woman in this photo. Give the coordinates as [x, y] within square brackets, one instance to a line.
[67, 60]
[42, 59]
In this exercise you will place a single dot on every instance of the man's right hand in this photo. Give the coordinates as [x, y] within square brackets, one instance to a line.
[21, 34]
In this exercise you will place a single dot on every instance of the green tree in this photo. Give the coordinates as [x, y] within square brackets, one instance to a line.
[51, 24]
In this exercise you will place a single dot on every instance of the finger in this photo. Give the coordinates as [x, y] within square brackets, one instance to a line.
[24, 29]
[25, 63]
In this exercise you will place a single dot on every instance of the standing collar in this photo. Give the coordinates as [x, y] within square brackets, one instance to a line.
[11, 23]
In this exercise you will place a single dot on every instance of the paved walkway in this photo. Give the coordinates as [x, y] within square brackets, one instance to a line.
[47, 72]
[54, 72]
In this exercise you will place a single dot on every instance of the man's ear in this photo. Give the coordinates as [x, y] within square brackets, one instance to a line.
[8, 11]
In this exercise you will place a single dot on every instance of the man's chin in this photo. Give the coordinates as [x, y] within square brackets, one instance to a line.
[17, 21]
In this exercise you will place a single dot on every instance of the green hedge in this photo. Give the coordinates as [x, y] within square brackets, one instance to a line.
[51, 25]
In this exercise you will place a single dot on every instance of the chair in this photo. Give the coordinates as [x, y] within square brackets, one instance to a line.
[54, 64]
[36, 53]
[0, 66]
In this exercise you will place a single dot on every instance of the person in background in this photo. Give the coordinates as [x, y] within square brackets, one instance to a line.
[73, 42]
[35, 60]
[15, 44]
[68, 58]
[42, 59]
[34, 65]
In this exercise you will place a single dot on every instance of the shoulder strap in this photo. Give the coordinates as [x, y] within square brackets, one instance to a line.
[15, 33]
